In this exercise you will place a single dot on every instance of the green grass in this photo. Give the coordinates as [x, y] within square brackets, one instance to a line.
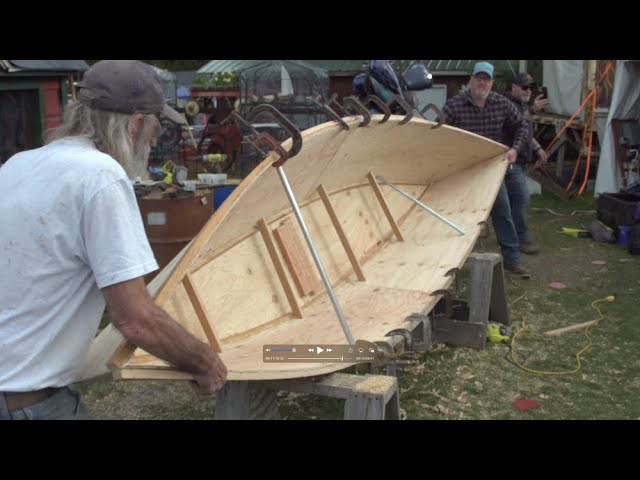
[461, 383]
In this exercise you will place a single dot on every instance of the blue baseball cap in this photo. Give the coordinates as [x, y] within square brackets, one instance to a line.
[483, 67]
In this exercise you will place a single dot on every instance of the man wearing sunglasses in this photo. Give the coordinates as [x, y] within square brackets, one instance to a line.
[519, 199]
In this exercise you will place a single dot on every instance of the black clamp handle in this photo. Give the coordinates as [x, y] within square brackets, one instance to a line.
[236, 117]
[241, 122]
[265, 139]
[380, 104]
[408, 110]
[333, 102]
[439, 115]
[353, 103]
[285, 123]
[329, 111]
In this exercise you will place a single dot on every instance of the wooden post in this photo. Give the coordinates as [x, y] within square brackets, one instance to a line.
[246, 401]
[201, 313]
[271, 248]
[340, 231]
[383, 204]
[487, 289]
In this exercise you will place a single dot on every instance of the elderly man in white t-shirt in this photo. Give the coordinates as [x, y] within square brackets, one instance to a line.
[73, 240]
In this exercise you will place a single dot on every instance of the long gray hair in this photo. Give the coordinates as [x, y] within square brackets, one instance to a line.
[110, 133]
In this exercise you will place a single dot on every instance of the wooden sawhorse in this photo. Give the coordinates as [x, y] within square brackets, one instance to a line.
[466, 325]
[367, 397]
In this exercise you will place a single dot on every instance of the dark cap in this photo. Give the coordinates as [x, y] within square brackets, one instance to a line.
[524, 80]
[125, 86]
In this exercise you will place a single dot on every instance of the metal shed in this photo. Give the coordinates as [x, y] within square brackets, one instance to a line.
[32, 95]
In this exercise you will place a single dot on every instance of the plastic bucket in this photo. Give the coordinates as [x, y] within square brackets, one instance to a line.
[221, 194]
[624, 235]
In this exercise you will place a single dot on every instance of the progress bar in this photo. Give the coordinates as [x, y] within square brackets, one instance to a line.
[360, 352]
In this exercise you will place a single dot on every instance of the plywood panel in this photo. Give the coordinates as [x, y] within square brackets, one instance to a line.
[432, 247]
[241, 289]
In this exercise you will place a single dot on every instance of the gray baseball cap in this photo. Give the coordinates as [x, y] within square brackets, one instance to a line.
[524, 80]
[125, 86]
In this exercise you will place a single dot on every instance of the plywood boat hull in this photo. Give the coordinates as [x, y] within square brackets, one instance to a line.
[248, 278]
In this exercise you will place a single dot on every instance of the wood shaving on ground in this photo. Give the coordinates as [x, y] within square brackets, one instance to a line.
[378, 384]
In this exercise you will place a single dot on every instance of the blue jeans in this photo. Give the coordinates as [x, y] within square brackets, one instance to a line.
[519, 200]
[65, 404]
[505, 228]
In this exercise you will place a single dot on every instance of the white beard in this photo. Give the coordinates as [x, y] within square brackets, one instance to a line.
[140, 161]
[137, 164]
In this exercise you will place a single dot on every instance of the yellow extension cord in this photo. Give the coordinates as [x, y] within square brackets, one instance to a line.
[609, 298]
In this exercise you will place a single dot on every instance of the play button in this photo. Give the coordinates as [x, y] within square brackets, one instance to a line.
[319, 350]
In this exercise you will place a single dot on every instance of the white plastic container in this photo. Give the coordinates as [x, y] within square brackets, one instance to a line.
[213, 178]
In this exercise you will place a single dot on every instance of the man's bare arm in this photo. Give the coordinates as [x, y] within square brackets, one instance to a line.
[148, 326]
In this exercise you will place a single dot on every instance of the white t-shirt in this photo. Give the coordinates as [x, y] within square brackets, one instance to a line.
[69, 226]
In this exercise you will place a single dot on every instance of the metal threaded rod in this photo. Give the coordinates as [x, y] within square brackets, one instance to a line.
[316, 258]
[420, 204]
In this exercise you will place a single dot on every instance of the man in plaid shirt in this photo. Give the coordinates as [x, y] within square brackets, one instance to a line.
[486, 113]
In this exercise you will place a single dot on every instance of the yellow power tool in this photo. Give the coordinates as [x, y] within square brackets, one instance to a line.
[497, 333]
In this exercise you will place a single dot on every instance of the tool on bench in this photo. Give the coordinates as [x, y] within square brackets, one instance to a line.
[215, 159]
[142, 190]
[169, 172]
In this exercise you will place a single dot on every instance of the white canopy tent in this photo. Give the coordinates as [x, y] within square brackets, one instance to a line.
[565, 82]
[625, 105]
[563, 79]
